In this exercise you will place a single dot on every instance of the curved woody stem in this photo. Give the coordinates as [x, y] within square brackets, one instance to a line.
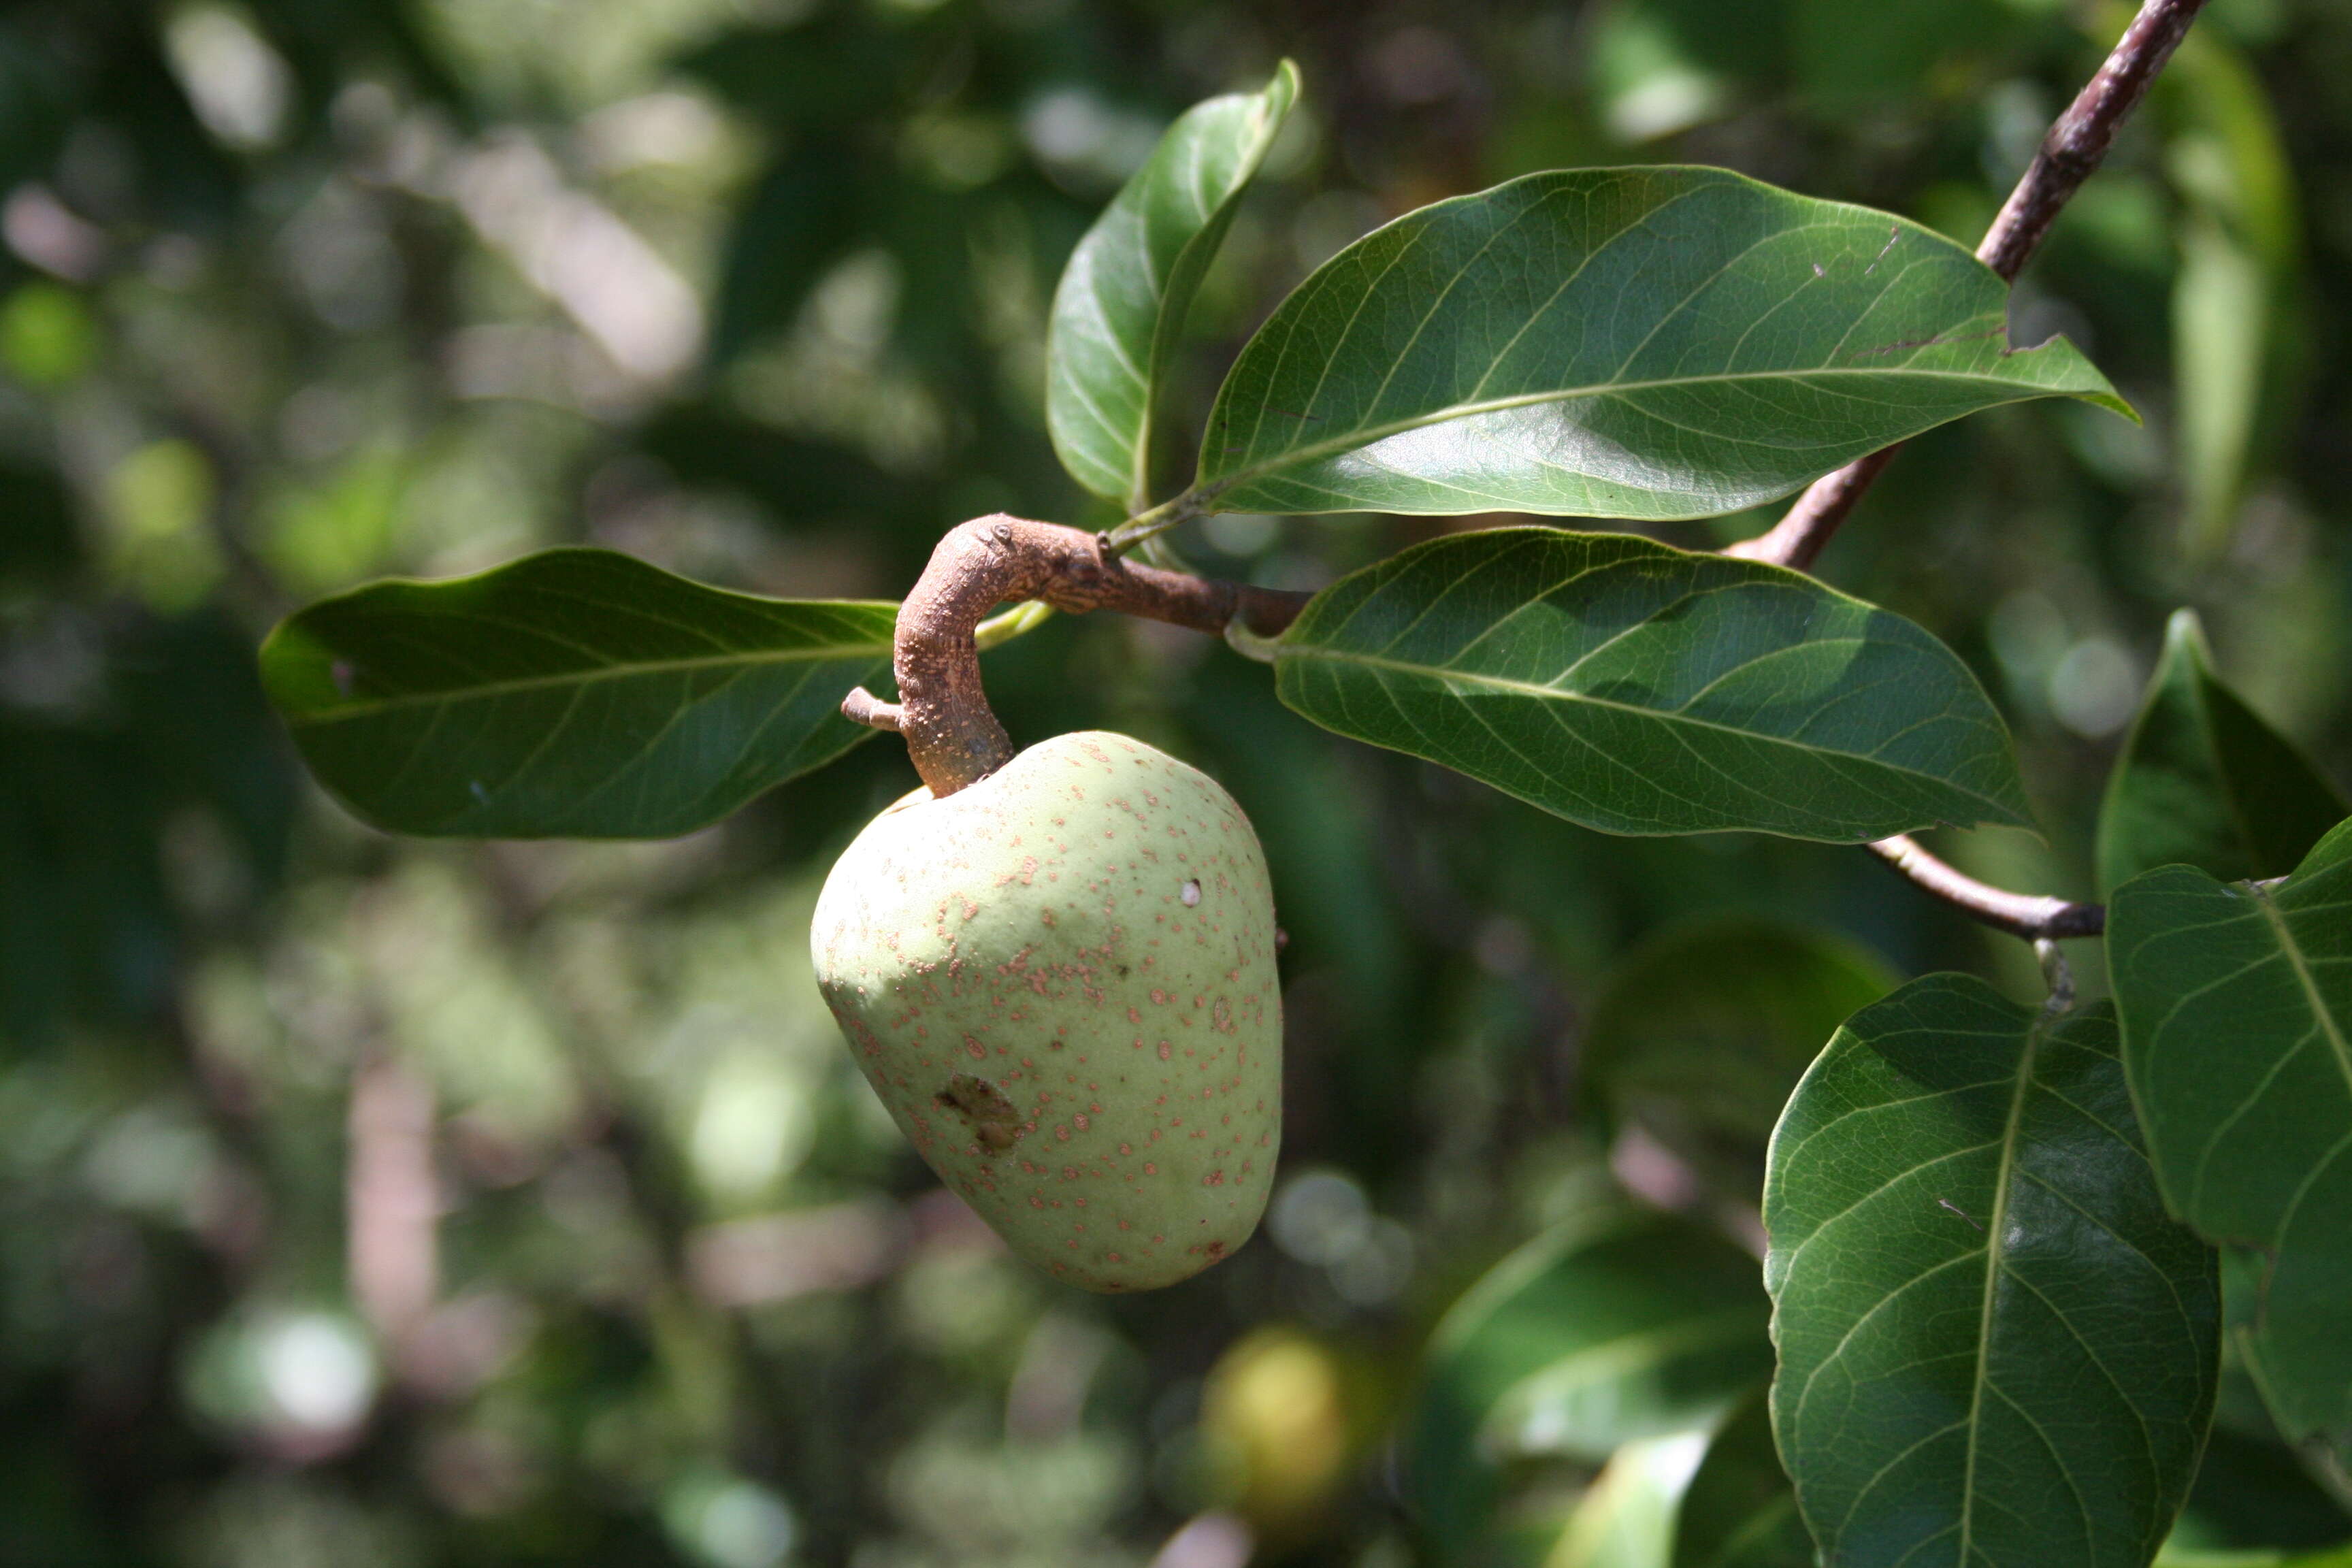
[952, 735]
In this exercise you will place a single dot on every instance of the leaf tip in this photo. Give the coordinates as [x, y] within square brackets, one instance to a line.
[1282, 89]
[2183, 631]
[2115, 402]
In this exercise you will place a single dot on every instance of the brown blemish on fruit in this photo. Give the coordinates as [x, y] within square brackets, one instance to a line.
[984, 1108]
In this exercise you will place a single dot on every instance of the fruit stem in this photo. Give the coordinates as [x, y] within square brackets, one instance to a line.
[952, 735]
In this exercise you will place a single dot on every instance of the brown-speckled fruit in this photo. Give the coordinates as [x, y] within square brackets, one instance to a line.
[1061, 981]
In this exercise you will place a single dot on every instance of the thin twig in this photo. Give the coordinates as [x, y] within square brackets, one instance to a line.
[952, 735]
[1799, 536]
[2074, 148]
[2033, 916]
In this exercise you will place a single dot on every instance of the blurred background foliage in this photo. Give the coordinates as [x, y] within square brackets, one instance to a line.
[380, 1202]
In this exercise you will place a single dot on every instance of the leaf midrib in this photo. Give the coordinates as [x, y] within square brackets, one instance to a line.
[1365, 435]
[2321, 1012]
[2004, 1180]
[1531, 689]
[370, 708]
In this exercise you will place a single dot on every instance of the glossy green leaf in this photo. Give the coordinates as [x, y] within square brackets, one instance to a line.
[2237, 1010]
[2202, 781]
[1700, 1034]
[1646, 343]
[575, 693]
[1635, 687]
[1739, 1511]
[1639, 1325]
[1123, 296]
[1627, 1518]
[1996, 1348]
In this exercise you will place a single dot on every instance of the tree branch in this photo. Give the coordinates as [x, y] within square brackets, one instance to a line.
[955, 738]
[1799, 536]
[2075, 146]
[952, 735]
[2032, 916]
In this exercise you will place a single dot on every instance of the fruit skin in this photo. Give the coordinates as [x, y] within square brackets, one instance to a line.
[1061, 981]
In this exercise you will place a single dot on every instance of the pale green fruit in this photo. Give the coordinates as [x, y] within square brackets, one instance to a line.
[1061, 981]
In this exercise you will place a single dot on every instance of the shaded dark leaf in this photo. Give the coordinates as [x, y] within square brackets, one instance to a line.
[1701, 1035]
[1638, 1326]
[2203, 782]
[1996, 1348]
[1739, 1511]
[2237, 1011]
[575, 693]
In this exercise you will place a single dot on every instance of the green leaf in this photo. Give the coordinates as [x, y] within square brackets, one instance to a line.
[1739, 1511]
[2241, 256]
[1627, 1518]
[1701, 1035]
[1996, 1348]
[2237, 1009]
[1639, 689]
[2222, 324]
[1851, 56]
[2254, 1494]
[1123, 296]
[2331, 1557]
[574, 693]
[1638, 1325]
[1652, 342]
[2334, 848]
[2203, 782]
[2254, 1487]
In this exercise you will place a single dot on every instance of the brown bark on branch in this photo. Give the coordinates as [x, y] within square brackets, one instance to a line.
[952, 735]
[1801, 533]
[2075, 146]
[2079, 140]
